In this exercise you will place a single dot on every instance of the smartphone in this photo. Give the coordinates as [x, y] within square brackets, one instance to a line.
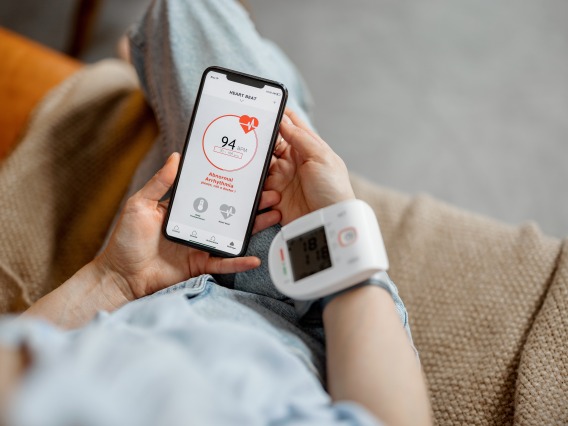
[225, 161]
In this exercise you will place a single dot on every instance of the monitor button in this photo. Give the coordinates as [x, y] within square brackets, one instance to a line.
[347, 236]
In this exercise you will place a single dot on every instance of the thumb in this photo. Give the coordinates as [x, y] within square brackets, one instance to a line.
[161, 182]
[308, 146]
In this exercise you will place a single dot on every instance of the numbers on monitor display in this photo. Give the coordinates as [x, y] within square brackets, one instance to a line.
[309, 253]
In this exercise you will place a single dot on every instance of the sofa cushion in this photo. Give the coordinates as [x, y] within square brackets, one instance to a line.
[27, 72]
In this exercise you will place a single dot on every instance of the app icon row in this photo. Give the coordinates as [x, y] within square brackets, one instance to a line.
[201, 205]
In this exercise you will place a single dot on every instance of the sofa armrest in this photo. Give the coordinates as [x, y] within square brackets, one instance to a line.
[27, 73]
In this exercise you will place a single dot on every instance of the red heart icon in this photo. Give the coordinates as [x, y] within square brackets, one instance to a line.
[248, 123]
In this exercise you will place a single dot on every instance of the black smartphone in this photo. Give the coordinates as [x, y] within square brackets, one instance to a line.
[225, 161]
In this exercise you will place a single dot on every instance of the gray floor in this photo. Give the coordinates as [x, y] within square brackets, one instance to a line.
[463, 99]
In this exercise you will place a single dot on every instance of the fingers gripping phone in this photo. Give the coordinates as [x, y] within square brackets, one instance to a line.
[225, 161]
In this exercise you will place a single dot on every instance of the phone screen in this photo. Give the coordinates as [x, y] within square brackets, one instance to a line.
[226, 154]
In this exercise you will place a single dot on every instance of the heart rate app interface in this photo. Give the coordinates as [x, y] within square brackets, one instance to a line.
[227, 148]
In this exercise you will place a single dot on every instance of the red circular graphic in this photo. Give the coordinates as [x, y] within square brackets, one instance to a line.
[215, 162]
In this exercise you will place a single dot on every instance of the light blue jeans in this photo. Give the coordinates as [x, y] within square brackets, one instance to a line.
[171, 47]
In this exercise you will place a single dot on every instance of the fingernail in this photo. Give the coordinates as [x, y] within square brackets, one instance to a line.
[286, 119]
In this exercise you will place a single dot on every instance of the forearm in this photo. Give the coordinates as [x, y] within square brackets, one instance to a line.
[93, 288]
[370, 359]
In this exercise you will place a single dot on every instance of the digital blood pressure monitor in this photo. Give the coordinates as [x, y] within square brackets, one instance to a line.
[327, 251]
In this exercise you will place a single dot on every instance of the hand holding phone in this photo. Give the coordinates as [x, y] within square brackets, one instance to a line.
[225, 161]
[141, 262]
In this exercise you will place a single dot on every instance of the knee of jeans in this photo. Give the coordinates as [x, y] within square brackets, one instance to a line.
[202, 8]
[259, 243]
[258, 280]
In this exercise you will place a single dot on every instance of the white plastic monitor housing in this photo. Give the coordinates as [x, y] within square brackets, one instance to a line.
[298, 261]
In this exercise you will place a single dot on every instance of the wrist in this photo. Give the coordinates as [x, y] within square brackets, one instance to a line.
[112, 284]
[303, 307]
[356, 298]
[93, 288]
[383, 285]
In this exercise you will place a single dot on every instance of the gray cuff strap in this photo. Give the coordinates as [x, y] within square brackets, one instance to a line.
[324, 301]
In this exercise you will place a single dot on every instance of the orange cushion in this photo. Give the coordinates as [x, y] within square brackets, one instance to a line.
[27, 71]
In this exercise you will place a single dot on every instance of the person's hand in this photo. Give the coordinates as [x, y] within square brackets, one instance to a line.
[305, 171]
[143, 261]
